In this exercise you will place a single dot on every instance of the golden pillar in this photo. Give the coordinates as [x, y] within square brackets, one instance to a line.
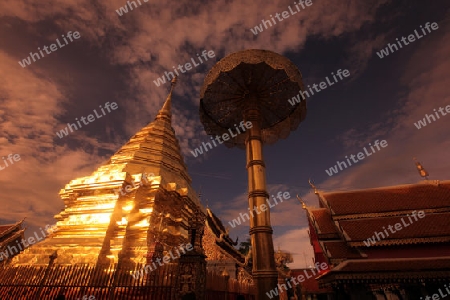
[264, 272]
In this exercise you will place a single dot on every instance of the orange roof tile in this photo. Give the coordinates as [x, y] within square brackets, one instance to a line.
[5, 228]
[389, 199]
[324, 222]
[394, 270]
[434, 225]
[404, 264]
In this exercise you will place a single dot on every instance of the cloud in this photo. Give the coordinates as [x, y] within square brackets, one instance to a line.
[153, 37]
[284, 213]
[297, 243]
[29, 121]
[426, 82]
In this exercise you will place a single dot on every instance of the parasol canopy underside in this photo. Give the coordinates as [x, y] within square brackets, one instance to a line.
[271, 78]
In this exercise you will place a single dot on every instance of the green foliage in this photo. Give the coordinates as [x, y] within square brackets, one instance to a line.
[244, 247]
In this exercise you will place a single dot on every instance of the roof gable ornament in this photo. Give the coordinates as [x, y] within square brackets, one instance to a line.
[421, 169]
[313, 186]
[302, 202]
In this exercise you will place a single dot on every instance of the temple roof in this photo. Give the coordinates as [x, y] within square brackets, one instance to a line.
[354, 228]
[393, 264]
[434, 227]
[11, 238]
[323, 223]
[8, 228]
[338, 250]
[388, 200]
[9, 234]
[5, 229]
[222, 238]
[398, 269]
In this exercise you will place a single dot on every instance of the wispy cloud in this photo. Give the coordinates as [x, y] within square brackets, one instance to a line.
[297, 243]
[426, 83]
[29, 115]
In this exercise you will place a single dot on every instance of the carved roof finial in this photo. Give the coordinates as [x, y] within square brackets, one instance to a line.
[420, 168]
[302, 202]
[313, 186]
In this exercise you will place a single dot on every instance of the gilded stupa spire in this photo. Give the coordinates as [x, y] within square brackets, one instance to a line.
[166, 111]
[156, 149]
[111, 217]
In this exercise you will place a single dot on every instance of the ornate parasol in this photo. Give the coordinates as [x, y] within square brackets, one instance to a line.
[252, 78]
[254, 86]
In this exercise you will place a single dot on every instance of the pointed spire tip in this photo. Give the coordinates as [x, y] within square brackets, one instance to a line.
[165, 111]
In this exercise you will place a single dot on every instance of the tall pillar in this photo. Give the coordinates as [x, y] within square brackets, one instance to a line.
[264, 272]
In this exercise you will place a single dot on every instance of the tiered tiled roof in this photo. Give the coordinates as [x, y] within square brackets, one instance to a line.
[388, 201]
[324, 224]
[8, 228]
[5, 229]
[222, 238]
[9, 235]
[396, 270]
[348, 219]
[355, 216]
[433, 227]
[338, 251]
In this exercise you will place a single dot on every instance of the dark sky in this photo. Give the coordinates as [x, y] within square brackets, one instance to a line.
[117, 58]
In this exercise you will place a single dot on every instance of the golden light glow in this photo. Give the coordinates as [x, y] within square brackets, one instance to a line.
[100, 218]
[128, 207]
[122, 222]
[96, 211]
[143, 223]
[146, 210]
